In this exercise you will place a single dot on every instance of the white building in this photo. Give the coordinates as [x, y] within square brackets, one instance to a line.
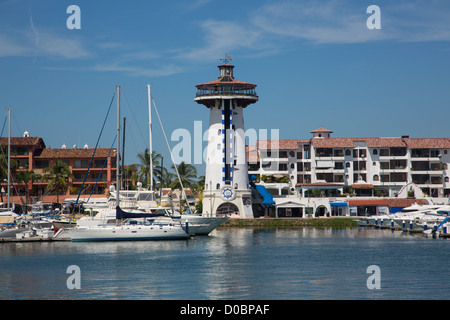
[334, 167]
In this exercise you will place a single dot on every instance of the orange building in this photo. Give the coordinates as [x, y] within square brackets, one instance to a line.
[31, 154]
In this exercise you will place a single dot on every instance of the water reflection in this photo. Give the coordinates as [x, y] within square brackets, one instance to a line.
[240, 263]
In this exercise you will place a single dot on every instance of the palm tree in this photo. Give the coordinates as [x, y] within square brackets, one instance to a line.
[144, 166]
[199, 186]
[25, 177]
[58, 177]
[188, 174]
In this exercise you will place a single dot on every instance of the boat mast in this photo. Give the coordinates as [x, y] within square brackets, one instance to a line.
[118, 147]
[9, 158]
[150, 136]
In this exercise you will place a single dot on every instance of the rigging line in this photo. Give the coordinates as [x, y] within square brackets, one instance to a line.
[170, 151]
[101, 171]
[136, 127]
[93, 154]
[4, 124]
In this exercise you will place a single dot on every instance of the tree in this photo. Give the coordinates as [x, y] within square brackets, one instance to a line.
[25, 177]
[58, 177]
[188, 174]
[199, 186]
[144, 166]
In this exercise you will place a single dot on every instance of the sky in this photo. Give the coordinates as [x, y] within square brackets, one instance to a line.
[315, 63]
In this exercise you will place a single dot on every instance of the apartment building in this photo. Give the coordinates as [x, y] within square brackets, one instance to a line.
[31, 154]
[326, 166]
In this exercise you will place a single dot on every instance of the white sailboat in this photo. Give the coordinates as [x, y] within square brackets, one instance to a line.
[136, 226]
[8, 216]
[144, 200]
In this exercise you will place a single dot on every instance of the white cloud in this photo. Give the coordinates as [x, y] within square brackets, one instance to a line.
[165, 70]
[52, 45]
[345, 21]
[222, 37]
[10, 48]
[320, 22]
[42, 44]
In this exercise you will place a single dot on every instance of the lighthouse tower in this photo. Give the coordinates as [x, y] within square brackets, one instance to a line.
[226, 180]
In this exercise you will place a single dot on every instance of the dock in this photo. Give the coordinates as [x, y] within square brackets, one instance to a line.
[34, 239]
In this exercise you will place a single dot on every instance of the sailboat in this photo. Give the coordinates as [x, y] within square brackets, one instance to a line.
[8, 216]
[145, 199]
[129, 226]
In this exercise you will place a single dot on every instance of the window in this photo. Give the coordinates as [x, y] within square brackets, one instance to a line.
[376, 177]
[81, 164]
[347, 164]
[40, 164]
[348, 152]
[375, 151]
[338, 165]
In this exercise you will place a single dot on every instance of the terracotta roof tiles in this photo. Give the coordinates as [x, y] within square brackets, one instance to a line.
[428, 143]
[279, 144]
[333, 143]
[74, 153]
[22, 141]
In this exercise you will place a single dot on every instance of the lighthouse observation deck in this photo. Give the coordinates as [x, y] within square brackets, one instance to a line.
[226, 87]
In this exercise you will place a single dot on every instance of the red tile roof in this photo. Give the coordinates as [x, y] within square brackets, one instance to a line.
[74, 153]
[218, 82]
[22, 141]
[362, 186]
[279, 144]
[252, 154]
[368, 202]
[428, 143]
[321, 130]
[397, 202]
[333, 143]
[383, 142]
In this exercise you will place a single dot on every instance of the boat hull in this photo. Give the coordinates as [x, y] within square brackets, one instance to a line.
[200, 225]
[125, 233]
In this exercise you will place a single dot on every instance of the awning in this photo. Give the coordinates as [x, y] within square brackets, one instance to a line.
[268, 198]
[338, 204]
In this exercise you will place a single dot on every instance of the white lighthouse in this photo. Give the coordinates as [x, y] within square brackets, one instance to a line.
[227, 188]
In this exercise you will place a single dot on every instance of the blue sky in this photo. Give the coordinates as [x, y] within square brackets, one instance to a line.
[315, 63]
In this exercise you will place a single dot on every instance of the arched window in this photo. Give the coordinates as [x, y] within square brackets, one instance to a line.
[376, 177]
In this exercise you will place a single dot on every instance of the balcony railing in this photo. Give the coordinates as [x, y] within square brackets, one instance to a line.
[225, 90]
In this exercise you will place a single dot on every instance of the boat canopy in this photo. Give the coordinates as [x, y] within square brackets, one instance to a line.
[120, 214]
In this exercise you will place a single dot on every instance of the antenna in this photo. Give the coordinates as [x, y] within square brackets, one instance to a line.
[227, 59]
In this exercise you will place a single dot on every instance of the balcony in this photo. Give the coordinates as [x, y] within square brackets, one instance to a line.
[226, 90]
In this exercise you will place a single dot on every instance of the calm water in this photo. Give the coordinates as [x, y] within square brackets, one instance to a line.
[305, 263]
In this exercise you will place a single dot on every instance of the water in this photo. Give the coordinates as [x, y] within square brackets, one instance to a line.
[250, 264]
